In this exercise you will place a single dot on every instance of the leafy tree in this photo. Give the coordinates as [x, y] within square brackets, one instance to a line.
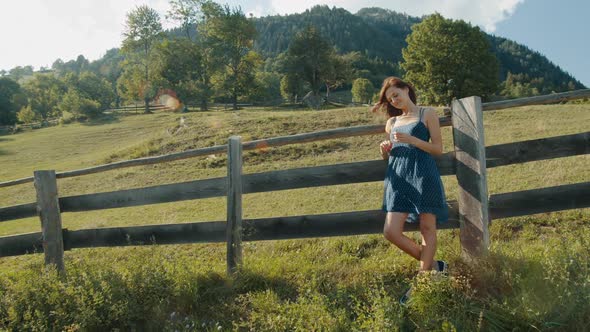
[130, 85]
[96, 88]
[231, 36]
[313, 60]
[309, 59]
[142, 29]
[362, 90]
[207, 60]
[239, 82]
[81, 107]
[19, 72]
[292, 88]
[44, 91]
[109, 67]
[9, 103]
[266, 88]
[73, 66]
[182, 69]
[186, 12]
[448, 59]
[27, 115]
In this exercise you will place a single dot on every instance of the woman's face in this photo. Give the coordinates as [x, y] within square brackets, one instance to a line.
[397, 97]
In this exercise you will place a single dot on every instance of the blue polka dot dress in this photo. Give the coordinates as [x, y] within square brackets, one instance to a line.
[412, 181]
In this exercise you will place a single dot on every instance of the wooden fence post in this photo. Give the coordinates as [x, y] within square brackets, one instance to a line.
[468, 136]
[234, 204]
[48, 209]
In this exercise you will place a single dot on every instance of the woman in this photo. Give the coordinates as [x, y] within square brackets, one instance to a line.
[413, 188]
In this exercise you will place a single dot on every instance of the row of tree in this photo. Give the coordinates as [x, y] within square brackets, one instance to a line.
[212, 56]
[45, 96]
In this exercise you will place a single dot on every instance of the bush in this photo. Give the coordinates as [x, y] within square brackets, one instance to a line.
[362, 90]
[27, 115]
[79, 106]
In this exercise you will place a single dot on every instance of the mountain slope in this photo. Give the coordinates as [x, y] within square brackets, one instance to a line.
[380, 33]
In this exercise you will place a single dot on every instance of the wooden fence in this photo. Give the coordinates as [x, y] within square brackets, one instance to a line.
[471, 213]
[28, 126]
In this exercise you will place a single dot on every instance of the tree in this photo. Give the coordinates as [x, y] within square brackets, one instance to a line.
[362, 90]
[312, 59]
[448, 59]
[292, 88]
[267, 88]
[73, 102]
[231, 37]
[186, 12]
[130, 85]
[206, 62]
[9, 90]
[235, 82]
[17, 73]
[44, 92]
[309, 58]
[109, 67]
[181, 68]
[27, 115]
[142, 30]
[96, 88]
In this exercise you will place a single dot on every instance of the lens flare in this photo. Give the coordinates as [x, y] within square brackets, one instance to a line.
[169, 99]
[262, 146]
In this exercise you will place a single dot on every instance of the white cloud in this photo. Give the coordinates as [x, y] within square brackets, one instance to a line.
[38, 32]
[484, 13]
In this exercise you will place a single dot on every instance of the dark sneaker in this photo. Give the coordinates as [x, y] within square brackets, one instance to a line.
[442, 267]
[405, 299]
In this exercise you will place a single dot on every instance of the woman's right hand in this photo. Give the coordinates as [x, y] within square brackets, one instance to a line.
[384, 148]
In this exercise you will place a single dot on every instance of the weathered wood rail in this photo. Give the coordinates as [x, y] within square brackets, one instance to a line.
[469, 161]
[347, 173]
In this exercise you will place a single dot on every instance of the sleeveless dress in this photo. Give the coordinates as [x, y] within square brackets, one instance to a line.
[412, 181]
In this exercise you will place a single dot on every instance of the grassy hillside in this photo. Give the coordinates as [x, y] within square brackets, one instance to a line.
[535, 277]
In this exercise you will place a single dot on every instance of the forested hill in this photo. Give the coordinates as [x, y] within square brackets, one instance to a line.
[374, 32]
[381, 33]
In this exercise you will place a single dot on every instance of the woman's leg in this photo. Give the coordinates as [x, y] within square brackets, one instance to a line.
[428, 230]
[394, 233]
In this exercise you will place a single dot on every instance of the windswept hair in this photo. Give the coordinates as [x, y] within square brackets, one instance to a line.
[383, 102]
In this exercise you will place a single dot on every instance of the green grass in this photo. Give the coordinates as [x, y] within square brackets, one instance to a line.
[536, 276]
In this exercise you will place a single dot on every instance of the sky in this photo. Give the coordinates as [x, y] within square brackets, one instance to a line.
[38, 32]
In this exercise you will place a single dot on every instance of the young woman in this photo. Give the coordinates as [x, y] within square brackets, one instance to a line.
[413, 188]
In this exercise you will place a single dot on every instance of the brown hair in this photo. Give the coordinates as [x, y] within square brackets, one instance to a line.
[388, 83]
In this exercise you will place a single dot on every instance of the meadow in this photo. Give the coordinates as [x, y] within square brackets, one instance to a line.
[536, 276]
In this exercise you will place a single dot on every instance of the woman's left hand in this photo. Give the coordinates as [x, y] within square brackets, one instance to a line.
[404, 138]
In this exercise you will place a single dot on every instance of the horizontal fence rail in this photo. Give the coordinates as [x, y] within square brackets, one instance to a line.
[514, 204]
[252, 145]
[550, 199]
[537, 100]
[538, 149]
[358, 172]
[303, 138]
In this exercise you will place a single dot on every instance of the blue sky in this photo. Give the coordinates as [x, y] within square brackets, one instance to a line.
[558, 30]
[37, 32]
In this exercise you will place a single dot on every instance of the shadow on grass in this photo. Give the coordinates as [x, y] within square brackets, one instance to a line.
[5, 139]
[216, 294]
[103, 120]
